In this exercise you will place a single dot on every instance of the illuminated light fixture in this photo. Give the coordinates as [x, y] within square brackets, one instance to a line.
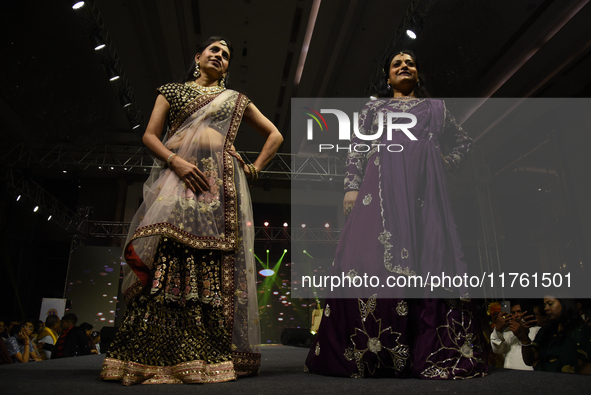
[304, 252]
[266, 272]
[285, 224]
[112, 168]
[326, 225]
[100, 168]
[36, 209]
[285, 250]
[267, 251]
[266, 223]
[249, 223]
[49, 218]
[303, 225]
[137, 125]
[77, 5]
[65, 171]
[125, 100]
[112, 73]
[18, 198]
[411, 34]
[97, 41]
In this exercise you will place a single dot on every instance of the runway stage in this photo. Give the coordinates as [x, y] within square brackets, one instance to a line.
[281, 373]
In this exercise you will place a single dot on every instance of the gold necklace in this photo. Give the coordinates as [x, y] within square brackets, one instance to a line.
[205, 90]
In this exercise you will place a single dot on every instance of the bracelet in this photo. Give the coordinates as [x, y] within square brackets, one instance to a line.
[253, 172]
[169, 160]
[524, 344]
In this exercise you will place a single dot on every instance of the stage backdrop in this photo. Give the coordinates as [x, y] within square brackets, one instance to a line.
[93, 284]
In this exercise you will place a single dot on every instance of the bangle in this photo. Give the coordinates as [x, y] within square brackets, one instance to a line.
[525, 344]
[169, 160]
[253, 172]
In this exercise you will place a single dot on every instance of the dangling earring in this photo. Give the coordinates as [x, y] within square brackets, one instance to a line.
[389, 87]
[197, 72]
[222, 82]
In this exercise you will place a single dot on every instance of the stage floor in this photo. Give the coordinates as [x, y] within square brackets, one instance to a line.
[281, 373]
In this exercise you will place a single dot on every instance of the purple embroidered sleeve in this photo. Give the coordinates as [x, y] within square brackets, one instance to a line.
[457, 139]
[355, 164]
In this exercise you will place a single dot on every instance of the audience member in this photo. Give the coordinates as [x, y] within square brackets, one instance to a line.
[3, 331]
[48, 336]
[96, 338]
[504, 342]
[539, 313]
[19, 344]
[87, 328]
[562, 345]
[73, 341]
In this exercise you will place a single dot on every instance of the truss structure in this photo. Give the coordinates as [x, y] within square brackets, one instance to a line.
[24, 189]
[137, 159]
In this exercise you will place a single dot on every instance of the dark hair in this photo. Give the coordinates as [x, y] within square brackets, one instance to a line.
[524, 304]
[85, 326]
[70, 317]
[51, 320]
[200, 48]
[381, 85]
[569, 318]
[15, 329]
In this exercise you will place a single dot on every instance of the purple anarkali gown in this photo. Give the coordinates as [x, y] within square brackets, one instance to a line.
[402, 224]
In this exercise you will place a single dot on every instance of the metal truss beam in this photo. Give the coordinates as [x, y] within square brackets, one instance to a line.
[137, 159]
[18, 185]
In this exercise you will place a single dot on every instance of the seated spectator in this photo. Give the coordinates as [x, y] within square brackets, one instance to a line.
[87, 328]
[5, 357]
[3, 330]
[48, 336]
[504, 342]
[562, 345]
[19, 345]
[96, 338]
[73, 341]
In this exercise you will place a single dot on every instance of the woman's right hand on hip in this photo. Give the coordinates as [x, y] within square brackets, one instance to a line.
[194, 179]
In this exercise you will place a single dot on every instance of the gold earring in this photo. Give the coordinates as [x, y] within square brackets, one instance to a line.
[197, 72]
[222, 82]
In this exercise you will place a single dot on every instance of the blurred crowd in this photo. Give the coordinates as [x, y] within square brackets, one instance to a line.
[35, 340]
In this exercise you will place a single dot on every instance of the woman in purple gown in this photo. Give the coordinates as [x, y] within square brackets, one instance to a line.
[400, 223]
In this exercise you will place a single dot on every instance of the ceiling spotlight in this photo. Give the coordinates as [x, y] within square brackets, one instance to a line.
[77, 5]
[137, 125]
[303, 225]
[97, 41]
[36, 209]
[112, 73]
[285, 225]
[326, 225]
[49, 218]
[411, 34]
[124, 99]
[266, 223]
[18, 198]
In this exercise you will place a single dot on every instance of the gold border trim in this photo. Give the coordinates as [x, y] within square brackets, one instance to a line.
[130, 373]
